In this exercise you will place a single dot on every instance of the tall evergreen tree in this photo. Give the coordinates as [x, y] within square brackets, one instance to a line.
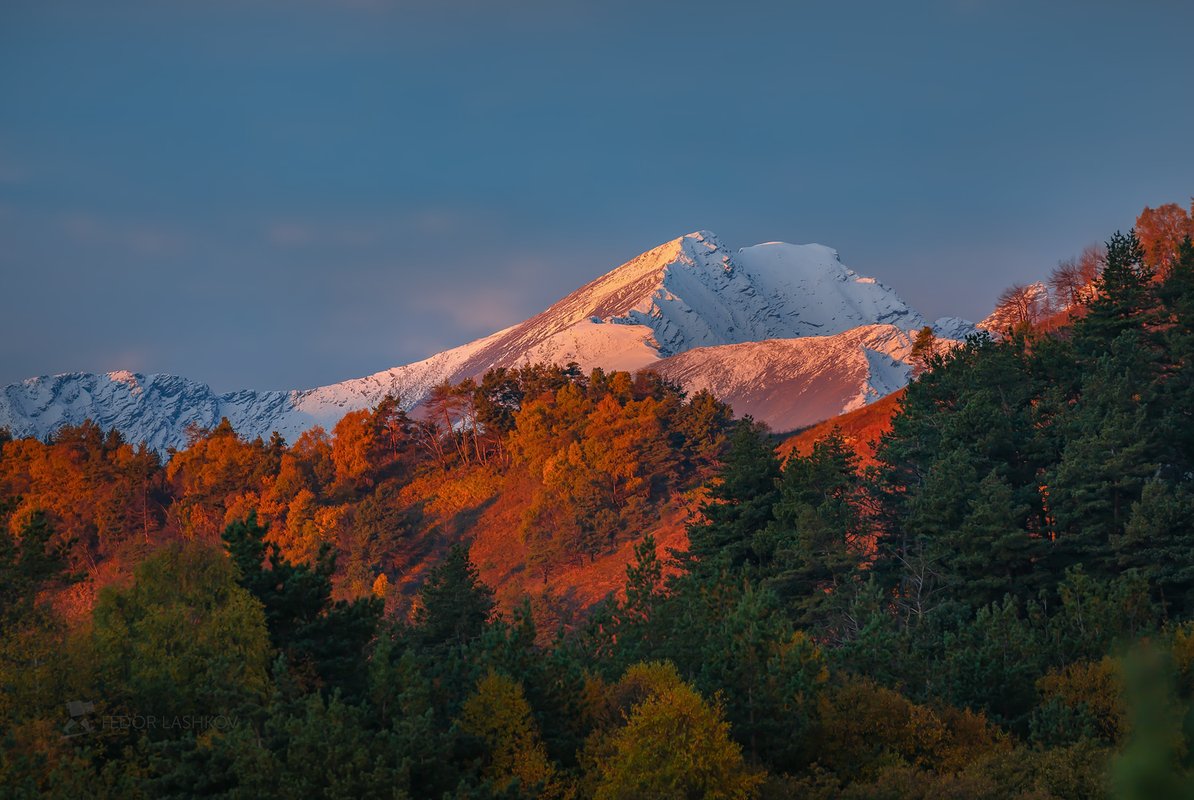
[808, 550]
[740, 504]
[324, 639]
[1121, 301]
[454, 605]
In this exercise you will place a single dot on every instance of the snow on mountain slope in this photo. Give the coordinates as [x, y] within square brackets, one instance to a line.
[954, 328]
[156, 409]
[790, 383]
[794, 301]
[693, 292]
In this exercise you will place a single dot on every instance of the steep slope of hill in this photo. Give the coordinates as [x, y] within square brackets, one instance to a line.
[780, 309]
[861, 429]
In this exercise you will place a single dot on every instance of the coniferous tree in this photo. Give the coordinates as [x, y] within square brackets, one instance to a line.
[326, 639]
[1121, 301]
[993, 555]
[807, 551]
[454, 605]
[741, 503]
[26, 562]
[1157, 541]
[1176, 389]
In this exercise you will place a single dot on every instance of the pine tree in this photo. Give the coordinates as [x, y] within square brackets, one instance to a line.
[805, 553]
[740, 505]
[454, 605]
[924, 351]
[1122, 299]
[1111, 450]
[1158, 541]
[1176, 389]
[991, 554]
[323, 637]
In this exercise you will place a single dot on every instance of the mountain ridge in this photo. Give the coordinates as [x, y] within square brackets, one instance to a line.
[795, 312]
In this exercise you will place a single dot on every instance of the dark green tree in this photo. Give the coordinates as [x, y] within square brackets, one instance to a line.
[27, 561]
[1158, 540]
[807, 551]
[454, 605]
[740, 504]
[325, 640]
[1123, 299]
[991, 554]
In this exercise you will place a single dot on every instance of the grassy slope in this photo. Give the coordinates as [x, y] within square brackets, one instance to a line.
[480, 506]
[861, 428]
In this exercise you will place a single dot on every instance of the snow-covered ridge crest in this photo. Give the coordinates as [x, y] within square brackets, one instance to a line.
[155, 409]
[693, 292]
[686, 294]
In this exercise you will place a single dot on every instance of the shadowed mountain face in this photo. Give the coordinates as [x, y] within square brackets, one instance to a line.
[784, 332]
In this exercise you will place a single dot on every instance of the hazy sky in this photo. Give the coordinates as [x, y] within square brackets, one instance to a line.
[286, 194]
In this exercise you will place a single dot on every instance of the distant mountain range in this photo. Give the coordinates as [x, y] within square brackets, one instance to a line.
[783, 332]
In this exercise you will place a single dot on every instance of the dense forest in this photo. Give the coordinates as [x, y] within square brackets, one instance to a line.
[998, 604]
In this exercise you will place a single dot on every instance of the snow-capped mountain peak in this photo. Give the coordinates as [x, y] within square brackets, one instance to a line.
[687, 294]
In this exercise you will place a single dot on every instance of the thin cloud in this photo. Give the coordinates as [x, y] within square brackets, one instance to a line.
[135, 237]
[477, 309]
[385, 229]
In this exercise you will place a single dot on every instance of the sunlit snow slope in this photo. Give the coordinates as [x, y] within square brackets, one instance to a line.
[784, 332]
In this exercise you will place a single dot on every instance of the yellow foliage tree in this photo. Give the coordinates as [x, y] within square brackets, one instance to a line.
[673, 744]
[498, 714]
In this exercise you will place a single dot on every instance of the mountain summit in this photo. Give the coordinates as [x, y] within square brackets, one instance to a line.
[785, 332]
[693, 292]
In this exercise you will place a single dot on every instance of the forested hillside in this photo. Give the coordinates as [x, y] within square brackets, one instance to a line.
[545, 469]
[1000, 604]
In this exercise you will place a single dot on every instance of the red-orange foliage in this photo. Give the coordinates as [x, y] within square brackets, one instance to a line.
[352, 448]
[99, 491]
[218, 479]
[1161, 230]
[590, 462]
[1072, 281]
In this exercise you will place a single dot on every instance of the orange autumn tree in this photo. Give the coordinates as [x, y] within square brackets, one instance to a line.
[1160, 231]
[602, 453]
[99, 491]
[352, 447]
[369, 444]
[217, 479]
[292, 499]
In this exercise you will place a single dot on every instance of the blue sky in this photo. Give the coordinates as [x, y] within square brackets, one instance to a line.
[285, 194]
